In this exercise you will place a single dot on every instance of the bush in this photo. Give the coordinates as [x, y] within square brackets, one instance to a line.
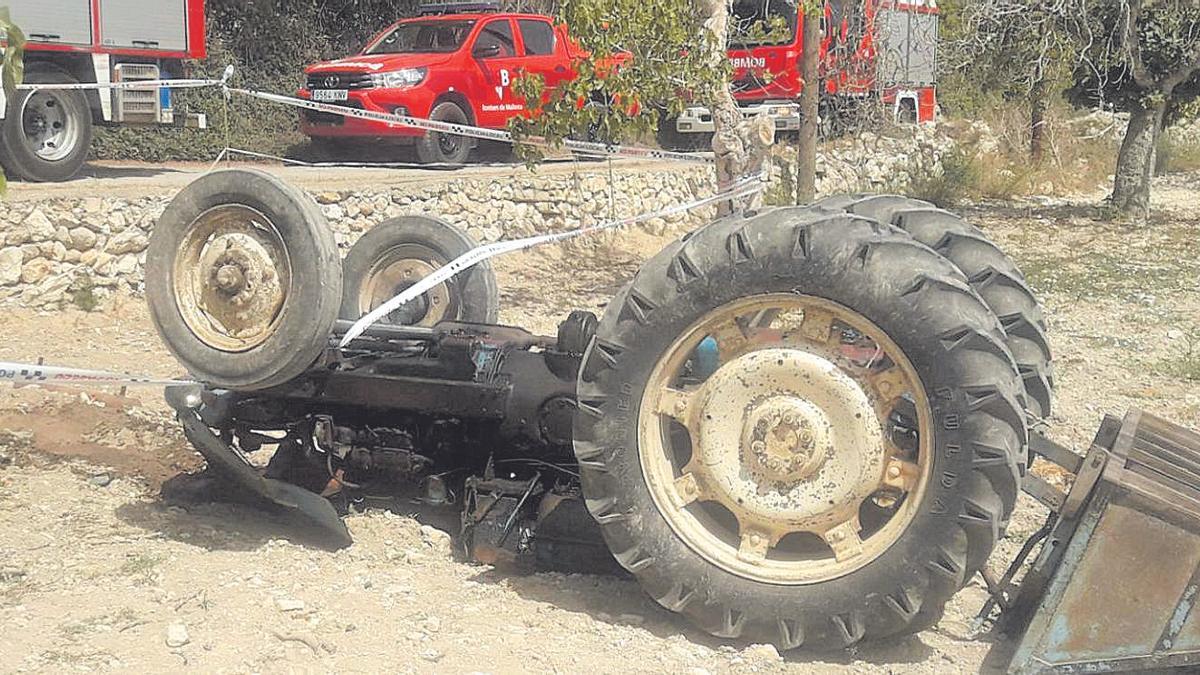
[957, 180]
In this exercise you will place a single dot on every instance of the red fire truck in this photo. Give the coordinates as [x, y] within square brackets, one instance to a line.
[45, 134]
[883, 50]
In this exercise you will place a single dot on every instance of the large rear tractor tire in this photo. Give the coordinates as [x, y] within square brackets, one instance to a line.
[990, 272]
[243, 279]
[46, 134]
[401, 251]
[845, 463]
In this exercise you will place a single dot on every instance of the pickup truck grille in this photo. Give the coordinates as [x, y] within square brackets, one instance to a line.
[339, 81]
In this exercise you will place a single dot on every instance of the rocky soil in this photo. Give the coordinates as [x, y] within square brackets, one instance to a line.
[97, 573]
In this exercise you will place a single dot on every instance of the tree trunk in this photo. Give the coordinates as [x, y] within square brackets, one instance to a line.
[1135, 162]
[810, 97]
[740, 145]
[1037, 116]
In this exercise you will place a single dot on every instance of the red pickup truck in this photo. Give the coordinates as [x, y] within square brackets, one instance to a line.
[456, 67]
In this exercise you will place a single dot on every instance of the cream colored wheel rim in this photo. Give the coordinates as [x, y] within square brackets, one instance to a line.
[802, 456]
[397, 269]
[231, 278]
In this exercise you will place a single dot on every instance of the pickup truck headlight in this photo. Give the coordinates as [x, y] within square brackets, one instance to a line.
[399, 79]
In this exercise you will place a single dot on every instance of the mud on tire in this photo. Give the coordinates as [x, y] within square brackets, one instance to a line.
[923, 304]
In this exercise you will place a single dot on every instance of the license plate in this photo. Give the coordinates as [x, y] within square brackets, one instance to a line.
[330, 95]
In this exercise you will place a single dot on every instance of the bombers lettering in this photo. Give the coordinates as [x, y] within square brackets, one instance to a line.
[748, 61]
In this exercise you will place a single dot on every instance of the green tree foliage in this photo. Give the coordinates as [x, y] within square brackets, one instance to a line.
[1138, 53]
[643, 59]
[1000, 50]
[1141, 57]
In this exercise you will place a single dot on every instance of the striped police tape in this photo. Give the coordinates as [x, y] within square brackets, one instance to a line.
[27, 373]
[741, 188]
[129, 84]
[584, 147]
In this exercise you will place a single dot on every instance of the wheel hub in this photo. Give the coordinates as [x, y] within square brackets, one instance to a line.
[771, 462]
[788, 438]
[394, 273]
[781, 439]
[232, 278]
[46, 120]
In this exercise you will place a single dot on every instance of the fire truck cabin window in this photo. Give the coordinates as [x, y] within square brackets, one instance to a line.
[762, 22]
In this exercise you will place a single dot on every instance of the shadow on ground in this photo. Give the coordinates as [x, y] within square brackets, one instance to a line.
[218, 524]
[119, 171]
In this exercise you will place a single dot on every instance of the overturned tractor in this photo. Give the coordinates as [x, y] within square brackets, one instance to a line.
[804, 425]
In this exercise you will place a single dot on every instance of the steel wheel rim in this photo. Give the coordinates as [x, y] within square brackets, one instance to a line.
[737, 494]
[48, 125]
[448, 143]
[232, 276]
[399, 268]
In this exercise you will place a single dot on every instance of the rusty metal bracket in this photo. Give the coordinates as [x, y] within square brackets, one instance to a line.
[1116, 583]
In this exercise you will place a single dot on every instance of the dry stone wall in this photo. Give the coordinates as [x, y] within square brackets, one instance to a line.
[80, 251]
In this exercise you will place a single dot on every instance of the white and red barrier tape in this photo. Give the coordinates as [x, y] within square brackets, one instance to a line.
[746, 186]
[437, 126]
[585, 147]
[742, 188]
[129, 84]
[27, 373]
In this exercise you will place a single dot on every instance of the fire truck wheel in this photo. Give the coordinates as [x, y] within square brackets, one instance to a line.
[439, 148]
[990, 272]
[399, 252]
[801, 427]
[46, 134]
[243, 279]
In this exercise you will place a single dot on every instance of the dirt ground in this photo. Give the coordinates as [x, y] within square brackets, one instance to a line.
[96, 573]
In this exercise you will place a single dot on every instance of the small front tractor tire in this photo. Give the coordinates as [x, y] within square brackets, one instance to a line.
[243, 279]
[847, 465]
[400, 251]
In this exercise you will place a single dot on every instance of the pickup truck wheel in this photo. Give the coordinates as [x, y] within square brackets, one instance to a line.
[669, 138]
[401, 251]
[847, 463]
[990, 271]
[439, 148]
[243, 279]
[46, 134]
